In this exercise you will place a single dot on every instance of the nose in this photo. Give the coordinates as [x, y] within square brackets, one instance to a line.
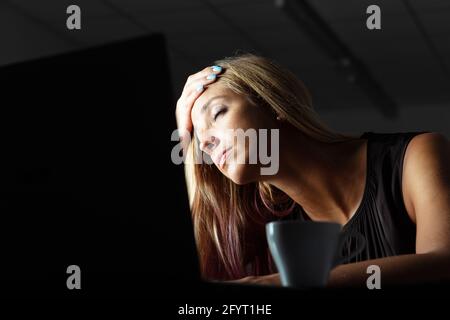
[209, 144]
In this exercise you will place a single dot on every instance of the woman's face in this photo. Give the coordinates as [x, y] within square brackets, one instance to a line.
[223, 121]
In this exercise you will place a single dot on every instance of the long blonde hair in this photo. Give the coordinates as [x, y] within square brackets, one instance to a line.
[229, 219]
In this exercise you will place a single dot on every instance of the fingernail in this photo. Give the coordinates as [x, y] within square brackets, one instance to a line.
[199, 88]
[216, 68]
[211, 76]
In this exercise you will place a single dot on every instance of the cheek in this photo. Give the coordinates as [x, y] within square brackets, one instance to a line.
[251, 117]
[229, 127]
[244, 152]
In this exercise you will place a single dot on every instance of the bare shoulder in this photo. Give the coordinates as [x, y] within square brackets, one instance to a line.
[426, 163]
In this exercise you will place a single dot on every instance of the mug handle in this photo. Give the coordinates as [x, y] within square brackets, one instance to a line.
[362, 245]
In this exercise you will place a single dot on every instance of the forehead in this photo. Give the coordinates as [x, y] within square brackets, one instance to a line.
[211, 91]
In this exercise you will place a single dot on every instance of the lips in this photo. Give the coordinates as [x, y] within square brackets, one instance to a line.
[221, 158]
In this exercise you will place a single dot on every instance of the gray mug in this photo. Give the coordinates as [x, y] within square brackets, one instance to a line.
[304, 252]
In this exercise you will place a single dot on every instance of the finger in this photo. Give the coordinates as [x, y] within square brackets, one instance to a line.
[208, 73]
[204, 73]
[197, 87]
[242, 280]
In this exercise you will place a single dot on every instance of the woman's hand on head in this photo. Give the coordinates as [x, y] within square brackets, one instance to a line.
[269, 280]
[194, 87]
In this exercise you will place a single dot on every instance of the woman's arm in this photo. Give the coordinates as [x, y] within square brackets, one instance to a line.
[426, 193]
[404, 269]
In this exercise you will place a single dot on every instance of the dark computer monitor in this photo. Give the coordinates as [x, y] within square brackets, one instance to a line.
[86, 175]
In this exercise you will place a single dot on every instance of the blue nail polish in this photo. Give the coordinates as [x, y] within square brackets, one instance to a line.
[216, 68]
[211, 76]
[199, 88]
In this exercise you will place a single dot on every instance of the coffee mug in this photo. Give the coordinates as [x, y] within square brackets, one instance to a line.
[304, 252]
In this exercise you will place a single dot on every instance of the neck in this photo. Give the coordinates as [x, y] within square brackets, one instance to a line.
[326, 179]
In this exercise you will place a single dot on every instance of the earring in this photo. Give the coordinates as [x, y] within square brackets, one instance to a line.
[278, 118]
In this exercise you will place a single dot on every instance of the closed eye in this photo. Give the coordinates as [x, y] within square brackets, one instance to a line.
[218, 113]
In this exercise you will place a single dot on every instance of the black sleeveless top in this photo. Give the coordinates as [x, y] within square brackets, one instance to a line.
[381, 218]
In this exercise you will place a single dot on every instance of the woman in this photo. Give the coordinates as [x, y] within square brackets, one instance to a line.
[394, 189]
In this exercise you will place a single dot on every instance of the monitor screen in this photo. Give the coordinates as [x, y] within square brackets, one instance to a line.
[86, 176]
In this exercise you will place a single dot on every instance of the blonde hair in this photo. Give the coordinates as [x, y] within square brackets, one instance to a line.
[229, 219]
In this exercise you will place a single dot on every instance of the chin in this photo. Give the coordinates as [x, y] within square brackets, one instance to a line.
[241, 174]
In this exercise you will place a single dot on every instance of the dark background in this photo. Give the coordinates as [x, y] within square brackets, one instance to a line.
[408, 58]
[393, 79]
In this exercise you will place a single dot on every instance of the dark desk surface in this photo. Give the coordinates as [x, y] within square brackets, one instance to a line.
[224, 291]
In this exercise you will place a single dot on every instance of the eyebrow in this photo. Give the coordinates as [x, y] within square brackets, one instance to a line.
[207, 104]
